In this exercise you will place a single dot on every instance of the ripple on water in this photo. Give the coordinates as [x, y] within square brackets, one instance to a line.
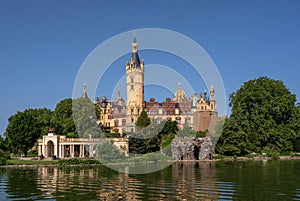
[178, 182]
[297, 194]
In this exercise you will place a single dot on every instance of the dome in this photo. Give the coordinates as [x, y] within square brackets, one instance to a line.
[179, 95]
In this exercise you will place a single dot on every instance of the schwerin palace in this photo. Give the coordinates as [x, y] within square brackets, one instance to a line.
[197, 112]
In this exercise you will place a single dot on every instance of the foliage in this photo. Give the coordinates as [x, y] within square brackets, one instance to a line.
[153, 137]
[201, 134]
[4, 157]
[187, 132]
[149, 157]
[3, 161]
[297, 145]
[214, 136]
[93, 132]
[108, 152]
[85, 118]
[76, 161]
[3, 144]
[24, 128]
[143, 120]
[263, 115]
[72, 135]
[30, 162]
[62, 118]
[112, 135]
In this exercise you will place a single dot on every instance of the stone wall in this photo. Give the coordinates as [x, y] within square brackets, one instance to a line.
[184, 148]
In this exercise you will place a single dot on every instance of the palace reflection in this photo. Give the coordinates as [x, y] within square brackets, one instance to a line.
[180, 181]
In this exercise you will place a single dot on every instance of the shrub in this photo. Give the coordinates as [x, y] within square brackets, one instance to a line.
[76, 161]
[3, 161]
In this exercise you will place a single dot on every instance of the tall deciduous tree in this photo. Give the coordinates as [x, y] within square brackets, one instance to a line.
[85, 118]
[62, 118]
[151, 136]
[24, 128]
[263, 118]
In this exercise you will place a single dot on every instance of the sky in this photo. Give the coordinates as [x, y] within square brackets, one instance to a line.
[43, 44]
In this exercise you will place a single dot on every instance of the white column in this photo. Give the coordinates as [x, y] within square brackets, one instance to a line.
[81, 151]
[59, 151]
[72, 150]
[83, 154]
[91, 150]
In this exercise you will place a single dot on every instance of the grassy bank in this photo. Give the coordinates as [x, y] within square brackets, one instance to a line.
[151, 157]
[73, 161]
[30, 162]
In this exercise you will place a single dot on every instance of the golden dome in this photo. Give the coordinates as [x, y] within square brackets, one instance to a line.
[179, 95]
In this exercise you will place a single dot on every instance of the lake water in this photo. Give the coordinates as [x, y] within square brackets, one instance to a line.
[246, 180]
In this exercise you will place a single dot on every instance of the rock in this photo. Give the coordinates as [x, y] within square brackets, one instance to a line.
[184, 148]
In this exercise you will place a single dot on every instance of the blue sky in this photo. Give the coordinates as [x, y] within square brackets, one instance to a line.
[44, 43]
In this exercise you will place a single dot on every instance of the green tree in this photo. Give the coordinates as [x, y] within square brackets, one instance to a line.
[152, 138]
[263, 115]
[108, 152]
[24, 128]
[166, 136]
[85, 117]
[137, 139]
[143, 120]
[62, 118]
[187, 131]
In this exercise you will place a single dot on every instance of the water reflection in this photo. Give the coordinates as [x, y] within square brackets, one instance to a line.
[274, 180]
[181, 181]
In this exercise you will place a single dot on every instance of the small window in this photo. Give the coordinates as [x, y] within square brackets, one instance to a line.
[132, 111]
[132, 80]
[131, 87]
[132, 121]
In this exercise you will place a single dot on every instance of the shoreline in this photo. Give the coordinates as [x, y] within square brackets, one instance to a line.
[280, 158]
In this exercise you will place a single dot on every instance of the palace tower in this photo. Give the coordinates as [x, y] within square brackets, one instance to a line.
[134, 86]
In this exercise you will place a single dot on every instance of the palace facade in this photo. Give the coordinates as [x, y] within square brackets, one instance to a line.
[198, 112]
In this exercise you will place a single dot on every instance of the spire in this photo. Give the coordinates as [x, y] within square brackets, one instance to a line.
[84, 93]
[134, 56]
[179, 85]
[119, 94]
[212, 92]
[134, 44]
[134, 38]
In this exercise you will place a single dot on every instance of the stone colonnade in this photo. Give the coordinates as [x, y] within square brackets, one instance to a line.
[61, 147]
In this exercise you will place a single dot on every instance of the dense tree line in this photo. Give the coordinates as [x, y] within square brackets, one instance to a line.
[151, 136]
[264, 119]
[26, 127]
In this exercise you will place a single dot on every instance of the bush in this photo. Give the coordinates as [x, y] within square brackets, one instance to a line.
[108, 152]
[3, 161]
[271, 151]
[201, 134]
[112, 135]
[230, 150]
[5, 155]
[76, 161]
